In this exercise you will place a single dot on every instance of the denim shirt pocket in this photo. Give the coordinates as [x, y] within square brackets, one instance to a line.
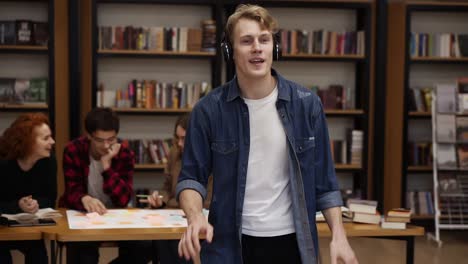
[305, 151]
[224, 158]
[224, 147]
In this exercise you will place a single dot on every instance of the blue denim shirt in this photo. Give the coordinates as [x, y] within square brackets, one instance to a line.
[217, 142]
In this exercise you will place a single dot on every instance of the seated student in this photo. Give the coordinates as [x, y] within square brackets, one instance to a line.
[166, 196]
[99, 175]
[29, 178]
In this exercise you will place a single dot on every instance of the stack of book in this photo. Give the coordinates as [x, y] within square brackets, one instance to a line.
[397, 218]
[364, 211]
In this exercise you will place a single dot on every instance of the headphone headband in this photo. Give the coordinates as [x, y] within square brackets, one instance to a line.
[228, 51]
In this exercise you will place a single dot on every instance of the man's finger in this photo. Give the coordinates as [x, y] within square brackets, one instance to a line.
[196, 240]
[179, 248]
[209, 233]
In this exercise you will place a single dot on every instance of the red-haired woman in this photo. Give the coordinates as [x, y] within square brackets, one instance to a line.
[28, 177]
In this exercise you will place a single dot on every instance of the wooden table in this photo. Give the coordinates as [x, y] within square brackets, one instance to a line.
[375, 231]
[62, 234]
[20, 233]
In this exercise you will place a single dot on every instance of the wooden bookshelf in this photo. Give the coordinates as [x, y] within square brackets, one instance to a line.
[23, 48]
[344, 112]
[420, 168]
[416, 114]
[422, 217]
[322, 57]
[151, 111]
[150, 166]
[439, 59]
[38, 106]
[348, 167]
[146, 53]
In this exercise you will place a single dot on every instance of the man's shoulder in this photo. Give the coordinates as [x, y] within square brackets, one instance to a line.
[78, 145]
[125, 150]
[299, 92]
[214, 97]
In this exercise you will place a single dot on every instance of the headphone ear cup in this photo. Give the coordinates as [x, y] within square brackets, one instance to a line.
[276, 50]
[227, 51]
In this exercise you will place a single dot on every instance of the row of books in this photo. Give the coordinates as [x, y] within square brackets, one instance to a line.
[443, 45]
[420, 154]
[365, 211]
[335, 96]
[151, 94]
[452, 97]
[322, 41]
[420, 202]
[420, 99]
[345, 153]
[24, 32]
[23, 91]
[179, 39]
[150, 151]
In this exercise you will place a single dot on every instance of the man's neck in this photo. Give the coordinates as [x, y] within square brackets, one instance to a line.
[256, 88]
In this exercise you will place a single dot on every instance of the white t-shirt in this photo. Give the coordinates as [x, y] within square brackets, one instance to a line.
[95, 181]
[267, 207]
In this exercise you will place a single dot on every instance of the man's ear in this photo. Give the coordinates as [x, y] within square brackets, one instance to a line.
[88, 136]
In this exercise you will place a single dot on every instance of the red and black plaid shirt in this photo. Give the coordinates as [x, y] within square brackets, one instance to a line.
[118, 179]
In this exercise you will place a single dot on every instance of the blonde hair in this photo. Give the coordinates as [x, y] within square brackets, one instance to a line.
[253, 12]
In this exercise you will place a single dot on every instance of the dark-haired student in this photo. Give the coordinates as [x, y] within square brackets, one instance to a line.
[98, 173]
[29, 178]
[166, 197]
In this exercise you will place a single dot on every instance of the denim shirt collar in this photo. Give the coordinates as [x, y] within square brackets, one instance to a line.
[283, 92]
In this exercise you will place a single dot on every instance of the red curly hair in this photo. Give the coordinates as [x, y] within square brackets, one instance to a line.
[17, 141]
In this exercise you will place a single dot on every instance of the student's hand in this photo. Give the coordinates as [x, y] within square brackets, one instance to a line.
[28, 204]
[341, 252]
[112, 151]
[93, 205]
[189, 244]
[154, 200]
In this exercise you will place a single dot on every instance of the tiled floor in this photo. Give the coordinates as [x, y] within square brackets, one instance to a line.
[382, 251]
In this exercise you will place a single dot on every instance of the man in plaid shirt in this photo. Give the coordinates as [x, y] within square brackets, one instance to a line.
[98, 173]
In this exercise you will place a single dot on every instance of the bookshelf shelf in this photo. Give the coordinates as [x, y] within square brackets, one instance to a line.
[150, 166]
[149, 54]
[415, 114]
[349, 112]
[344, 167]
[318, 57]
[420, 168]
[27, 107]
[422, 217]
[150, 111]
[439, 60]
[23, 49]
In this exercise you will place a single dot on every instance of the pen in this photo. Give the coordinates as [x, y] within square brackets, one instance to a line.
[147, 195]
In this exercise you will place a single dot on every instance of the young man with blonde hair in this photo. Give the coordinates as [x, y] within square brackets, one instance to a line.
[265, 140]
